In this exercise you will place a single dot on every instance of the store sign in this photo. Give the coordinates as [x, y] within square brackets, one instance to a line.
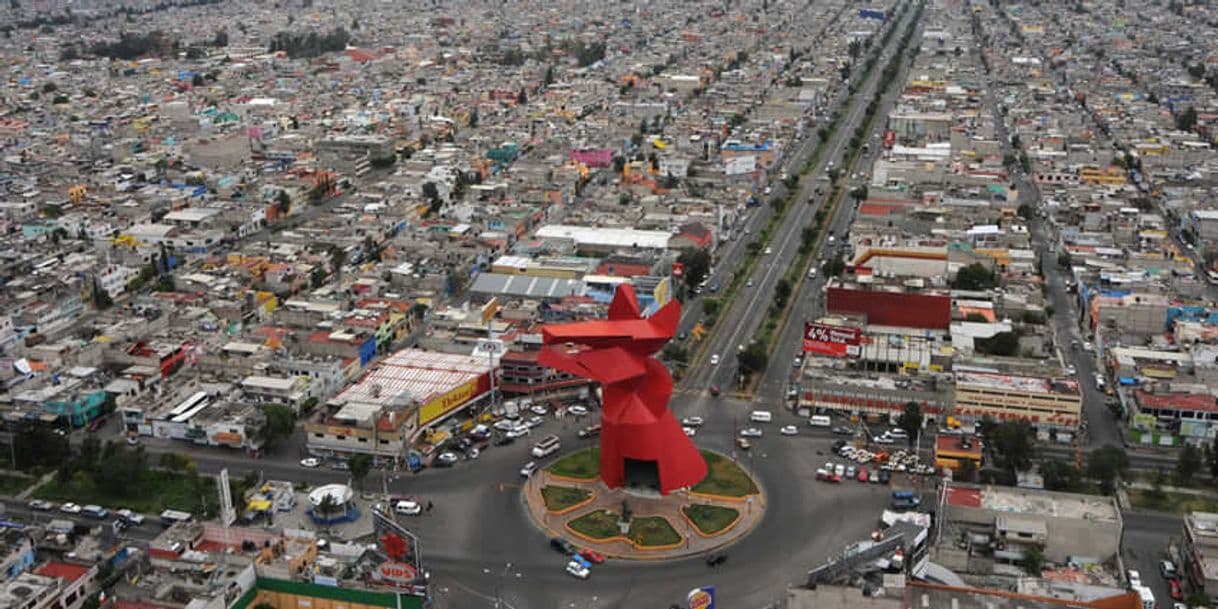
[450, 401]
[397, 572]
[833, 341]
[701, 598]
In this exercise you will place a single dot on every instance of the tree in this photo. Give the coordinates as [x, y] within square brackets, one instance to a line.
[966, 470]
[326, 507]
[430, 192]
[473, 118]
[548, 79]
[1003, 343]
[1186, 120]
[285, 202]
[753, 358]
[1033, 560]
[782, 291]
[975, 276]
[1011, 442]
[696, 263]
[1106, 465]
[911, 420]
[220, 39]
[280, 423]
[1188, 464]
[1060, 475]
[1214, 458]
[360, 466]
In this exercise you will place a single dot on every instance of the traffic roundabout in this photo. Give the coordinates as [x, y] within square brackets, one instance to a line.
[569, 500]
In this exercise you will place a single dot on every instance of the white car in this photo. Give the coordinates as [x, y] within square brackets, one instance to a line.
[41, 505]
[577, 570]
[692, 421]
[882, 440]
[1135, 578]
[690, 431]
[408, 508]
[310, 462]
[528, 469]
[534, 421]
[518, 431]
[504, 425]
[714, 359]
[538, 409]
[577, 410]
[70, 508]
[839, 470]
[769, 250]
[789, 430]
[132, 517]
[750, 432]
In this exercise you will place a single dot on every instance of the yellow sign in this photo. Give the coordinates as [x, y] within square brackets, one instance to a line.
[488, 311]
[447, 403]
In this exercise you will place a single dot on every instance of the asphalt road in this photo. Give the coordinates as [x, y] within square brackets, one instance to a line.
[808, 300]
[1144, 544]
[738, 323]
[1100, 426]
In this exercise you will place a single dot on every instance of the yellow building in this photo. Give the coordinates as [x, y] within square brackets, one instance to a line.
[1108, 176]
[1044, 402]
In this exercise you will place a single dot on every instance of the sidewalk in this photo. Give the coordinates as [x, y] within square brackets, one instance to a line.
[751, 509]
[29, 490]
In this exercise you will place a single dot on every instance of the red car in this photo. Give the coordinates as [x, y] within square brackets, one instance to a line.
[97, 424]
[714, 391]
[862, 474]
[1173, 586]
[592, 556]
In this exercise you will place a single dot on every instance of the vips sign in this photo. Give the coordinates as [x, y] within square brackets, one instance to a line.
[833, 341]
[397, 572]
[701, 598]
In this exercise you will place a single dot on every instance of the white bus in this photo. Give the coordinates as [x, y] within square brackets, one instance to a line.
[172, 517]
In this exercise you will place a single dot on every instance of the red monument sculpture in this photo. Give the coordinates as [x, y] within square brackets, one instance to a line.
[642, 444]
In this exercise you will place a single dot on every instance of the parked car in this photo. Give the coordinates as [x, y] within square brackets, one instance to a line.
[70, 508]
[883, 440]
[884, 477]
[842, 431]
[851, 471]
[1135, 578]
[518, 431]
[534, 421]
[528, 469]
[592, 556]
[41, 505]
[310, 462]
[538, 409]
[1168, 569]
[562, 546]
[577, 410]
[863, 474]
[446, 459]
[504, 425]
[1174, 589]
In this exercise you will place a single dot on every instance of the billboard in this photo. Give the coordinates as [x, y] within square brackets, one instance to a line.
[739, 165]
[453, 400]
[833, 341]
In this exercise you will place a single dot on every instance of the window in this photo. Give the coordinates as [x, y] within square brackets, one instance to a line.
[319, 435]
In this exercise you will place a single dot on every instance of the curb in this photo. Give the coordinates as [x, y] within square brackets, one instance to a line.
[718, 533]
[619, 538]
[724, 498]
[570, 508]
[562, 478]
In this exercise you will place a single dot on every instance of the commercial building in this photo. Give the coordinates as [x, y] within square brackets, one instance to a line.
[952, 451]
[1047, 403]
[1200, 551]
[986, 526]
[889, 305]
[406, 393]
